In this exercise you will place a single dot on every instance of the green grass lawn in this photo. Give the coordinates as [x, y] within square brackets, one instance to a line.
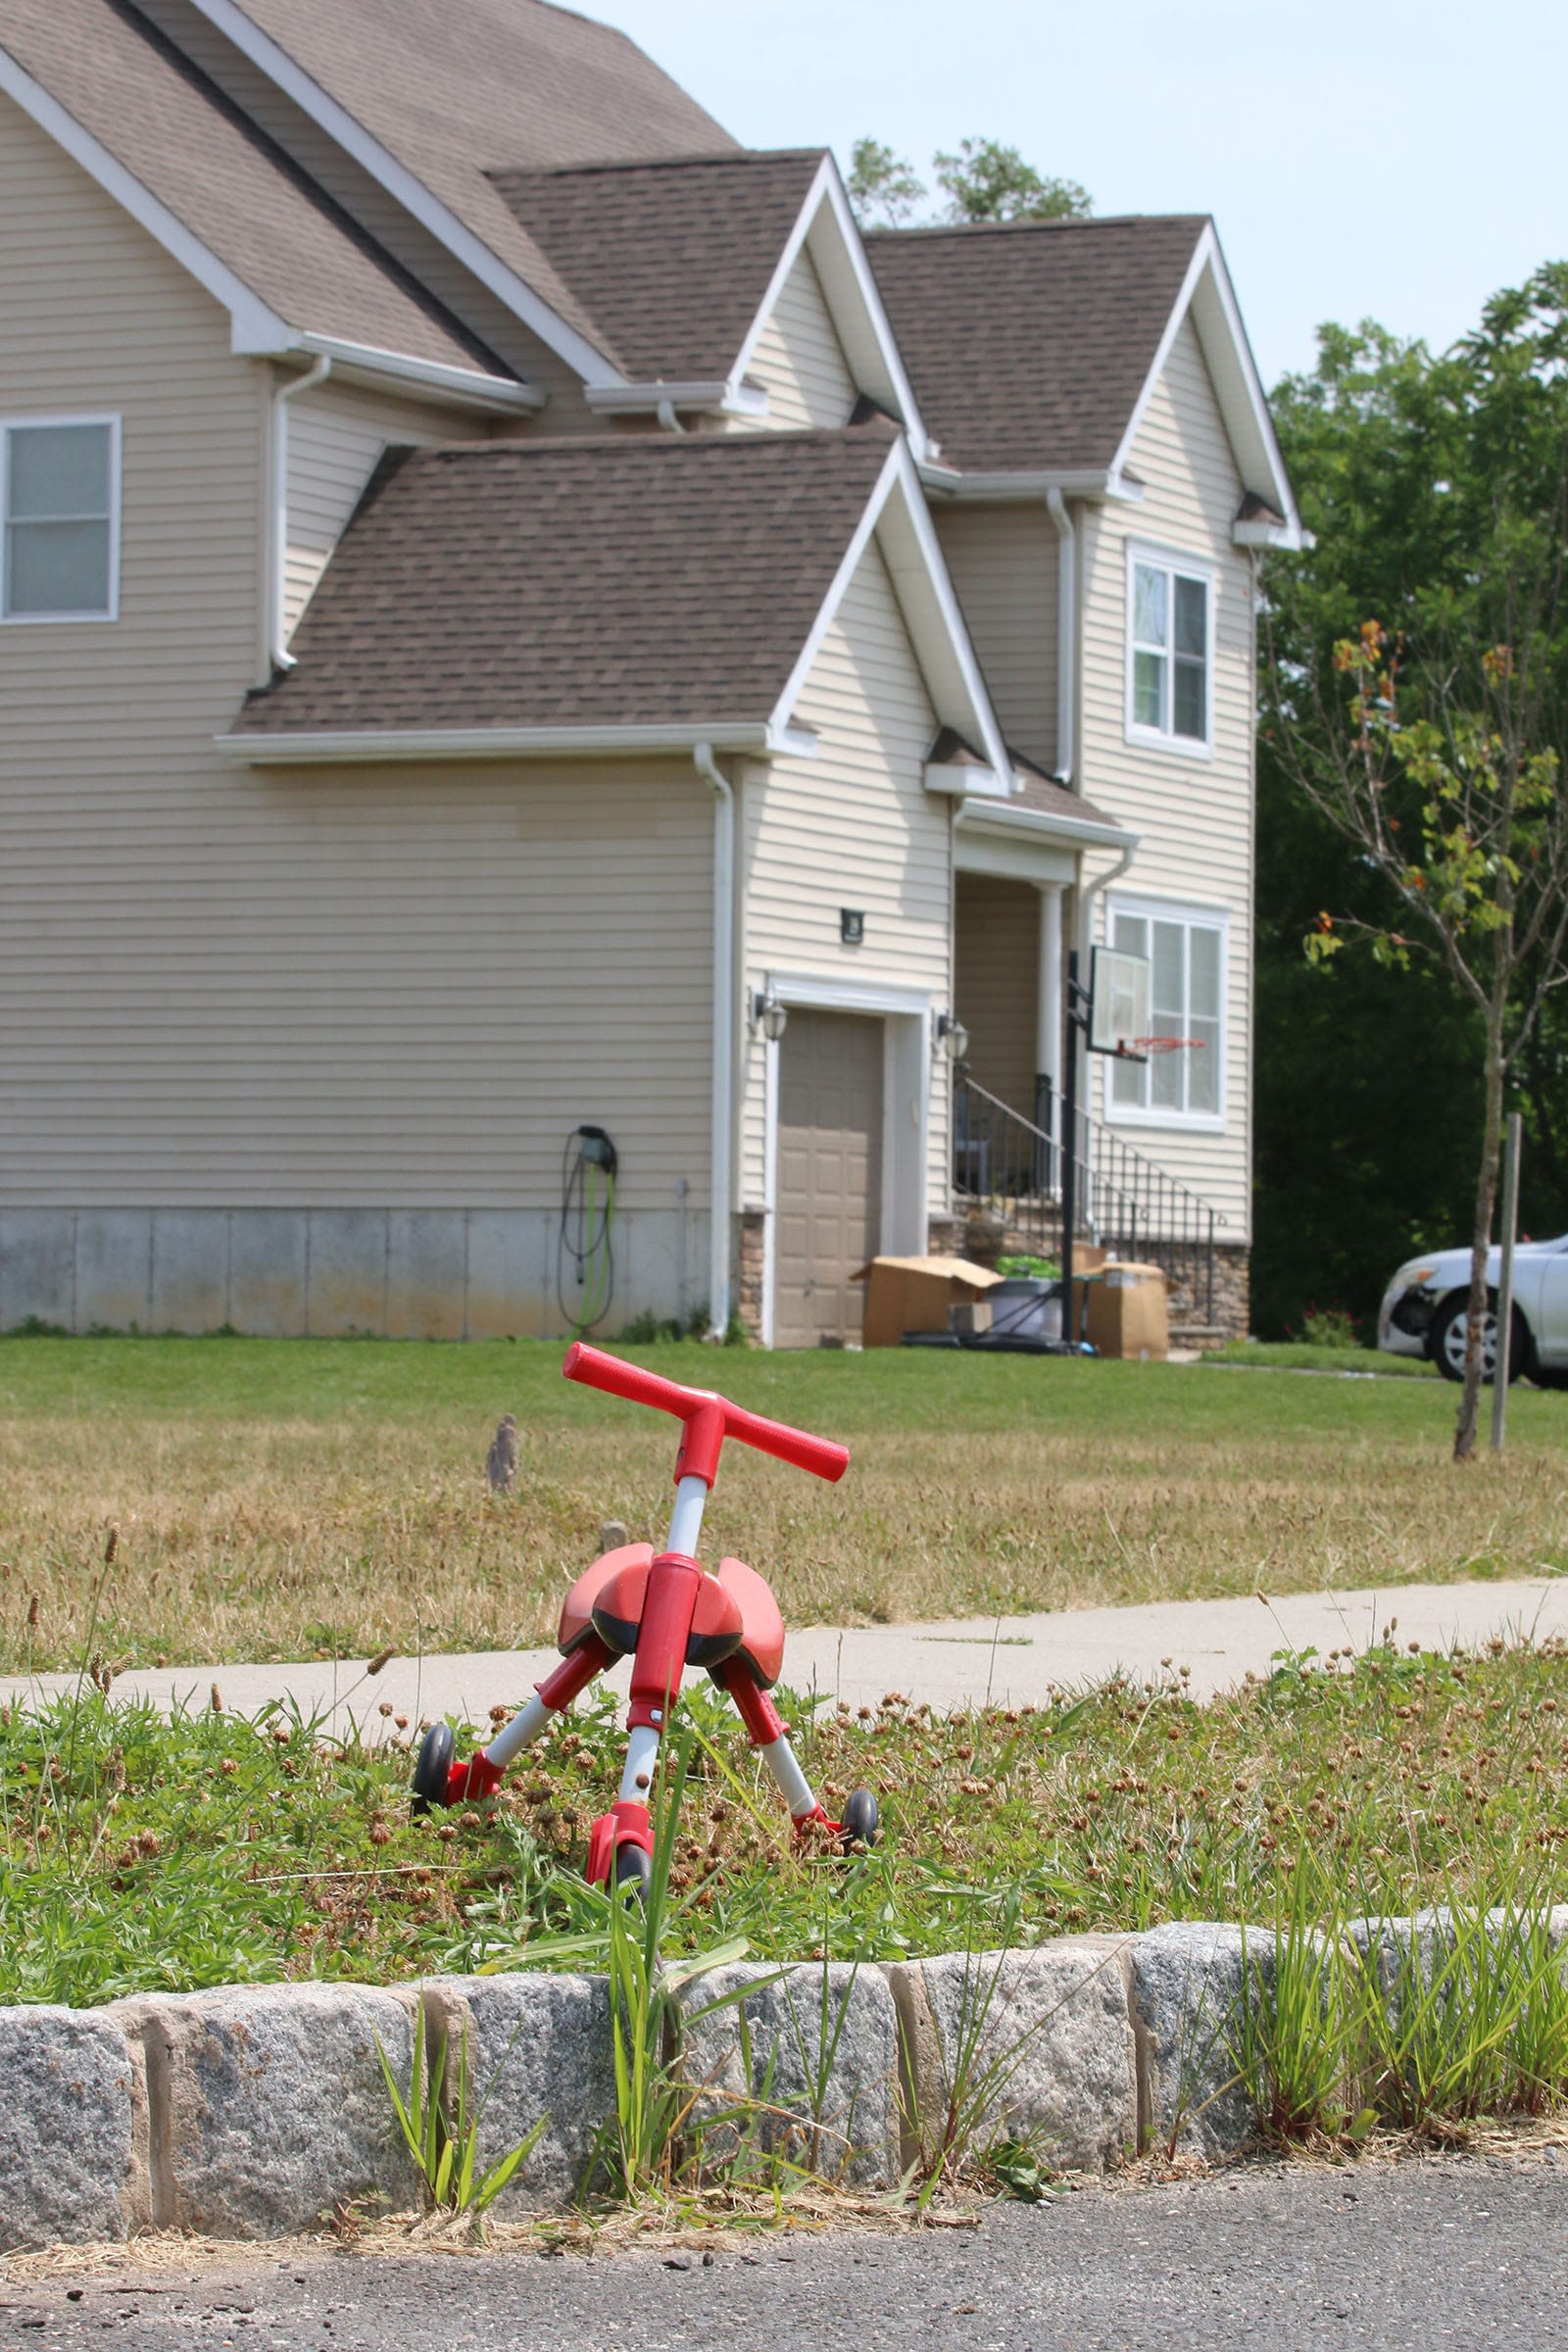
[137, 1855]
[282, 1499]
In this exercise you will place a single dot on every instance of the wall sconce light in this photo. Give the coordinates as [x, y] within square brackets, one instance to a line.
[769, 1018]
[953, 1038]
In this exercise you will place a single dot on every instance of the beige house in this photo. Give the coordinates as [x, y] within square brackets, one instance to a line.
[515, 619]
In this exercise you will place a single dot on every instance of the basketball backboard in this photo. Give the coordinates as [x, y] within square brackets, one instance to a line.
[1120, 986]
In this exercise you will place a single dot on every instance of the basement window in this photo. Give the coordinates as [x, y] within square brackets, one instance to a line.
[59, 517]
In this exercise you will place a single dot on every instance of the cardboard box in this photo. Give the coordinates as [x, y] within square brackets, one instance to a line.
[1126, 1310]
[915, 1294]
[970, 1318]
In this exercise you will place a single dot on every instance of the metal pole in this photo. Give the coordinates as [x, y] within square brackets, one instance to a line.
[1069, 1161]
[1513, 1137]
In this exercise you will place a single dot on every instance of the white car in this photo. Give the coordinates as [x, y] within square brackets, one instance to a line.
[1424, 1310]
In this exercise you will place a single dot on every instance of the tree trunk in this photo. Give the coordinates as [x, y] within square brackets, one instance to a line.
[1464, 1436]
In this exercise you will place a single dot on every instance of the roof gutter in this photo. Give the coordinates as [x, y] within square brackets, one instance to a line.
[1095, 482]
[979, 815]
[362, 745]
[466, 387]
[724, 398]
[721, 1179]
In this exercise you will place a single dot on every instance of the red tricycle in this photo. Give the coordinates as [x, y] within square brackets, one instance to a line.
[665, 1613]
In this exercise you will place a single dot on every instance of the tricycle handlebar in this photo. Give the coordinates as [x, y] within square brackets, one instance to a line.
[709, 1419]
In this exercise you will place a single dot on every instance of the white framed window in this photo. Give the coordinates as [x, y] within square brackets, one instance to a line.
[1186, 950]
[59, 519]
[1170, 651]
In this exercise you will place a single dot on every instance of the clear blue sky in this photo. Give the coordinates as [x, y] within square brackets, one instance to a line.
[1400, 162]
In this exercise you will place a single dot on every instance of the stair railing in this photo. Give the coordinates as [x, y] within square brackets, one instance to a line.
[1126, 1203]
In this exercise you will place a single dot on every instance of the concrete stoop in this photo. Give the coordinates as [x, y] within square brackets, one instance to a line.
[256, 2111]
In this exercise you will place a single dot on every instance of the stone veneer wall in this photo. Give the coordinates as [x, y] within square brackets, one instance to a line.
[749, 1285]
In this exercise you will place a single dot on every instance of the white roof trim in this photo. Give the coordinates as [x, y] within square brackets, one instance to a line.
[826, 228]
[253, 328]
[1207, 293]
[960, 776]
[731, 399]
[472, 387]
[374, 743]
[1004, 817]
[897, 516]
[410, 192]
[1083, 481]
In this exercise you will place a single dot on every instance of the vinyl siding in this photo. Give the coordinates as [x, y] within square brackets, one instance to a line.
[1194, 816]
[223, 988]
[336, 435]
[1005, 565]
[853, 826]
[799, 361]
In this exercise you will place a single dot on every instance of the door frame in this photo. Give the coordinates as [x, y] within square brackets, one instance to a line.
[907, 1018]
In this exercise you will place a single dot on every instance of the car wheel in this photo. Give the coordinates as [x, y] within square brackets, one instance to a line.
[1448, 1341]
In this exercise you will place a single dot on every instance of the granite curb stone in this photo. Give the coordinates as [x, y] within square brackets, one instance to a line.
[269, 2104]
[1188, 1980]
[253, 2111]
[1034, 2044]
[536, 2046]
[841, 2118]
[73, 2128]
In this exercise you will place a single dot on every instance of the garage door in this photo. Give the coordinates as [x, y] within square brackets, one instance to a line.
[829, 1174]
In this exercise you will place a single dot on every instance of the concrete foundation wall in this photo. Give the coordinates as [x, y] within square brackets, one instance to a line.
[414, 1274]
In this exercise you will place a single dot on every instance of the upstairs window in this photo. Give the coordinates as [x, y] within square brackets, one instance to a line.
[1170, 612]
[59, 513]
[1186, 952]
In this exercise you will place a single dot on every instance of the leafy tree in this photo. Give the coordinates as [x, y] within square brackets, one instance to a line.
[883, 188]
[984, 181]
[989, 182]
[1428, 737]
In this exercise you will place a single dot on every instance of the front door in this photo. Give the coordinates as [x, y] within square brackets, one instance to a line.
[829, 1174]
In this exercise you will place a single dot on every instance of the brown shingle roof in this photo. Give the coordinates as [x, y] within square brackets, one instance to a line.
[673, 257]
[455, 88]
[1028, 344]
[630, 582]
[224, 181]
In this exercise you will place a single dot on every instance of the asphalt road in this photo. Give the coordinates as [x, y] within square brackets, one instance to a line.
[1470, 2252]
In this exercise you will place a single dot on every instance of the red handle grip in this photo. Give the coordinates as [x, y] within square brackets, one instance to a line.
[709, 1419]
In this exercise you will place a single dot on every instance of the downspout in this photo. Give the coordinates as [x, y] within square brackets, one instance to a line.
[277, 634]
[721, 1183]
[1066, 634]
[1089, 891]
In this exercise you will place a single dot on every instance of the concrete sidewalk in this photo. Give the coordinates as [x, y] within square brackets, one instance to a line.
[953, 1664]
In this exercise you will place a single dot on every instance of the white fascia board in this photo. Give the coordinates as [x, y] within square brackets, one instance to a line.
[469, 389]
[372, 745]
[996, 487]
[410, 192]
[1004, 817]
[1207, 292]
[960, 777]
[896, 516]
[825, 226]
[728, 399]
[253, 327]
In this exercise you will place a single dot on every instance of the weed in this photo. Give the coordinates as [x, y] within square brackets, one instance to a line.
[444, 2148]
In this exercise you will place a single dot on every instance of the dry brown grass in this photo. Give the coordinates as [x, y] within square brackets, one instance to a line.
[288, 1534]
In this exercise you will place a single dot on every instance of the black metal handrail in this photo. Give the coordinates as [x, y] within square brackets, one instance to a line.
[1123, 1201]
